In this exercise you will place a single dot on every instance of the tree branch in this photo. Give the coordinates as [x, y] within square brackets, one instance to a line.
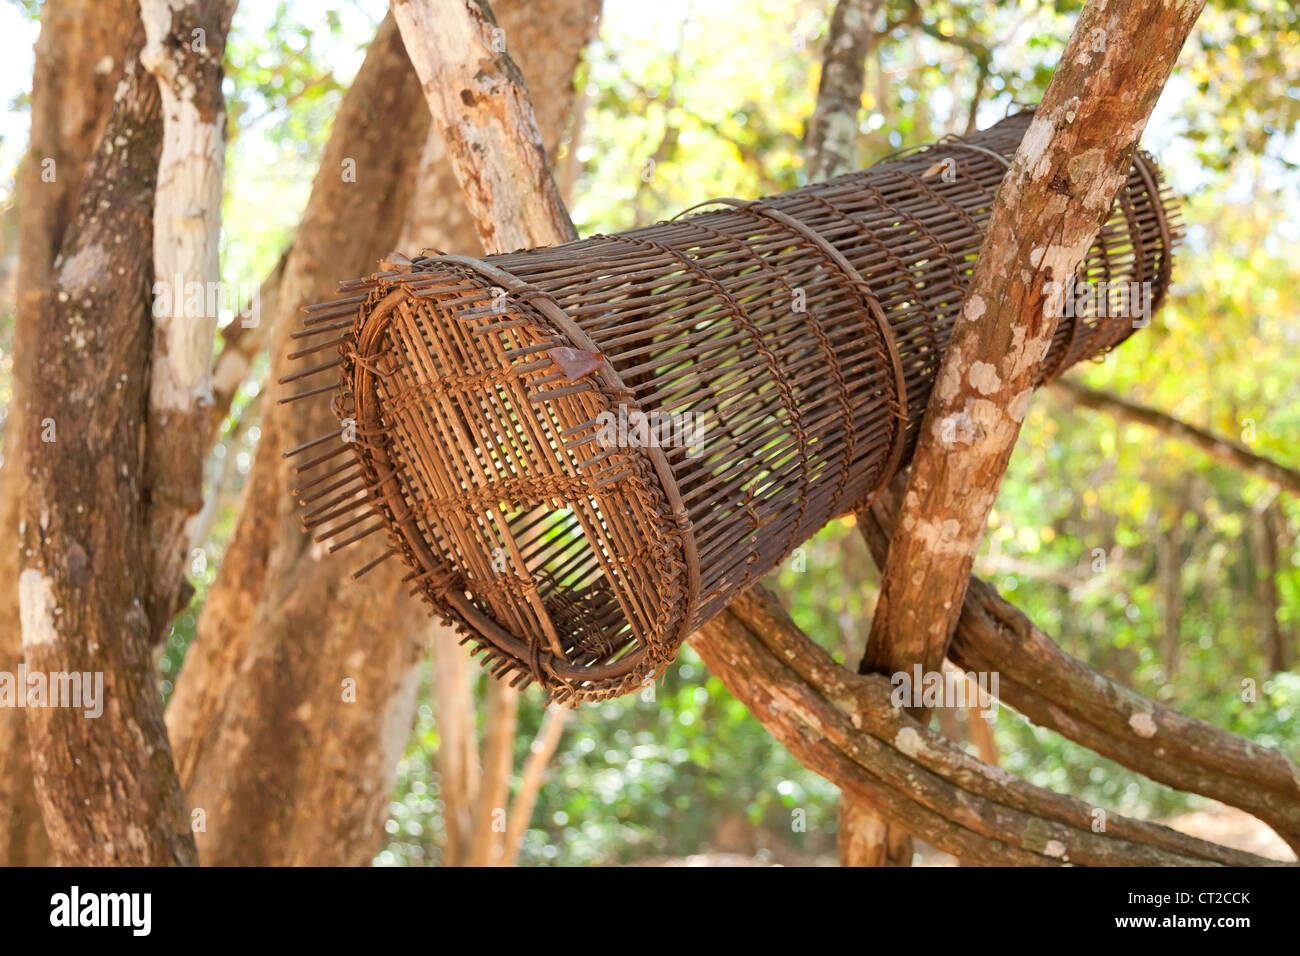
[1073, 160]
[457, 756]
[843, 726]
[1220, 449]
[1060, 692]
[540, 753]
[498, 760]
[832, 146]
[185, 45]
[477, 96]
[240, 346]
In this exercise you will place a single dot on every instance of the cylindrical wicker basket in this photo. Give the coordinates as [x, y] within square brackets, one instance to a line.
[584, 452]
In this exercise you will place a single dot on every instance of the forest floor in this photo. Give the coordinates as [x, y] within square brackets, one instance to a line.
[1232, 827]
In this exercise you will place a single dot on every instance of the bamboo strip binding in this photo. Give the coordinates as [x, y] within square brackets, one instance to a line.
[804, 333]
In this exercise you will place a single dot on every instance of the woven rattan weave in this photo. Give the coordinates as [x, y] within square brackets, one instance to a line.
[583, 452]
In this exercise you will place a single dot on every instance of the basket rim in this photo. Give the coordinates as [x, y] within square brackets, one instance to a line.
[416, 551]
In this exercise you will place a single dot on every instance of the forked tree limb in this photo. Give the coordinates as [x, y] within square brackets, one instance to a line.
[1056, 194]
[1220, 449]
[843, 726]
[1058, 691]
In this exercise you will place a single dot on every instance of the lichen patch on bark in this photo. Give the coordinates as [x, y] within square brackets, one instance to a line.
[37, 607]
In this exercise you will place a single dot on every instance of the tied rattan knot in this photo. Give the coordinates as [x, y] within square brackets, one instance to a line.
[583, 452]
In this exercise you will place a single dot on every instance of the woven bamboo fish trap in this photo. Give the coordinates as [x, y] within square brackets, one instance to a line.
[502, 418]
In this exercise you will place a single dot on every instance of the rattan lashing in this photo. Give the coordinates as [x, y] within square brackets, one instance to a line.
[803, 332]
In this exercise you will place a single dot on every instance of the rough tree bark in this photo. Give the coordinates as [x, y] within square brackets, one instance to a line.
[259, 711]
[78, 62]
[107, 785]
[186, 41]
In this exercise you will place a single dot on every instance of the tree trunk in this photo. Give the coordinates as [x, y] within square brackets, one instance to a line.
[530, 781]
[303, 682]
[106, 782]
[457, 760]
[498, 761]
[292, 706]
[866, 838]
[1058, 190]
[79, 58]
[1169, 580]
[832, 147]
[1269, 524]
[186, 44]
